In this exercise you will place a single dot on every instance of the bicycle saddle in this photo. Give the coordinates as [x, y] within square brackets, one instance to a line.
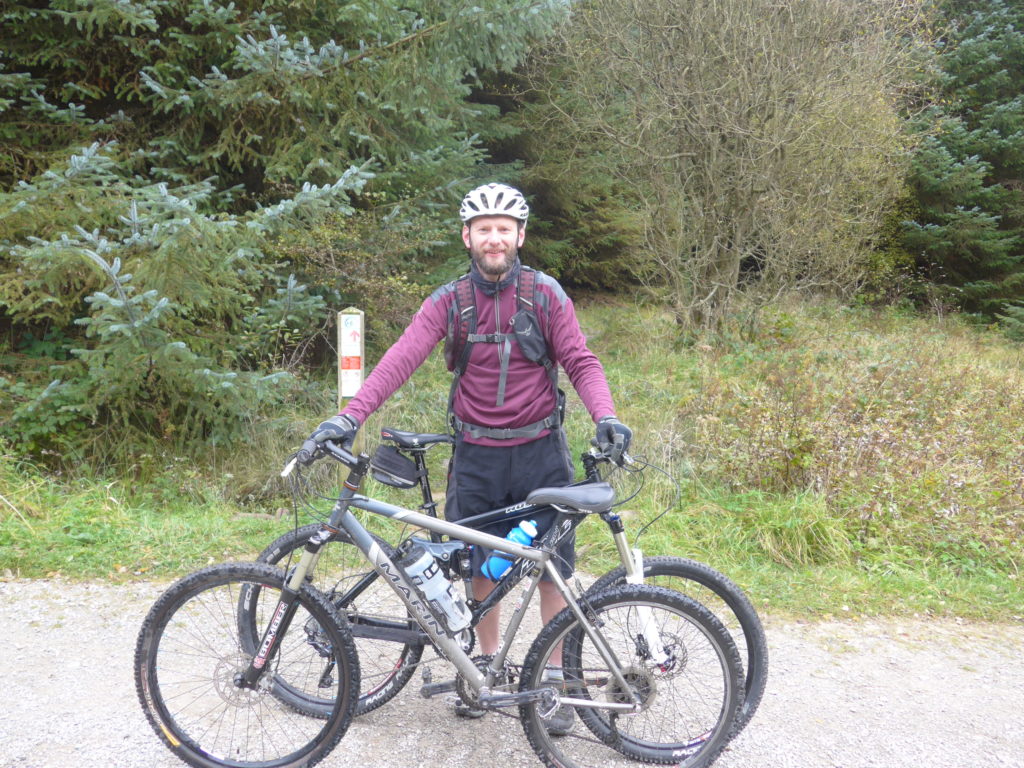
[412, 440]
[593, 497]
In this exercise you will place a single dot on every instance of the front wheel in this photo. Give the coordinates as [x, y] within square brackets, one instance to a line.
[189, 656]
[725, 599]
[387, 639]
[689, 690]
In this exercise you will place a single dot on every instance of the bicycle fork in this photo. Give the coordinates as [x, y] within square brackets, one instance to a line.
[633, 562]
[284, 611]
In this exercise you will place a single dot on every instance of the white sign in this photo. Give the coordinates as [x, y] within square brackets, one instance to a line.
[350, 352]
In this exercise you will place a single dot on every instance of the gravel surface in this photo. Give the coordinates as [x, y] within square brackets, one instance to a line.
[851, 694]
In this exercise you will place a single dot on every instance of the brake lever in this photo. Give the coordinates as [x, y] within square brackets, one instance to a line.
[615, 450]
[612, 451]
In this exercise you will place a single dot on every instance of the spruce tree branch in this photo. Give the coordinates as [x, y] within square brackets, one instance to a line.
[425, 32]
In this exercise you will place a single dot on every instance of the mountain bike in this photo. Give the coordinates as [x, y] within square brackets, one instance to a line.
[648, 672]
[390, 647]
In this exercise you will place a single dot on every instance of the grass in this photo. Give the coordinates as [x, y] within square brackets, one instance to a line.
[842, 461]
[85, 528]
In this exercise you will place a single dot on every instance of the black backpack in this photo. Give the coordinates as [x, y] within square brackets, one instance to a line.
[526, 330]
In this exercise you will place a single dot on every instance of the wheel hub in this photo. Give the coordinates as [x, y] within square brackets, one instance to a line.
[226, 677]
[641, 684]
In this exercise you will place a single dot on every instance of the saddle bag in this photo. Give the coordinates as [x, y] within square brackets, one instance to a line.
[391, 467]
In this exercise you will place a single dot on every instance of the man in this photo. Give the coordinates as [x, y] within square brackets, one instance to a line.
[504, 404]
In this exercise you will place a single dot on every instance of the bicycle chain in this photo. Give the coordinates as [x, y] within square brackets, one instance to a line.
[465, 690]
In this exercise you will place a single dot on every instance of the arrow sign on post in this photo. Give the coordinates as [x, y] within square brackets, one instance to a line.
[350, 353]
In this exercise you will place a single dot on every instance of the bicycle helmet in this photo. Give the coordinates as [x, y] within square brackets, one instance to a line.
[494, 200]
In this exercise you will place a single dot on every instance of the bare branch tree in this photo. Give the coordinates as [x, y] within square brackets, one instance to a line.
[761, 138]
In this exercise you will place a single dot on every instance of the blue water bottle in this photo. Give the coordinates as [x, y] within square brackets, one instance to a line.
[499, 562]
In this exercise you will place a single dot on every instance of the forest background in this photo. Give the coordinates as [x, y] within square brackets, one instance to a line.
[793, 232]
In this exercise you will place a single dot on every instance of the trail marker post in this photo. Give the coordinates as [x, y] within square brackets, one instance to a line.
[351, 361]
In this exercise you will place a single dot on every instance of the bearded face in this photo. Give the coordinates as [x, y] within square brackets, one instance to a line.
[493, 243]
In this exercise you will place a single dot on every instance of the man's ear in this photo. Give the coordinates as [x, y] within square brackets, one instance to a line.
[465, 235]
[522, 236]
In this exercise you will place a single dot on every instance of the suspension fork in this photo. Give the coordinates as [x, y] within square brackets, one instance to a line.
[594, 633]
[633, 562]
[284, 612]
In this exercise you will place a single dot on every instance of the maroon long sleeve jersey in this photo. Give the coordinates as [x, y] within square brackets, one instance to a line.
[529, 393]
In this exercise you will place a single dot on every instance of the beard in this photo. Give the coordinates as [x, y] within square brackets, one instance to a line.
[493, 267]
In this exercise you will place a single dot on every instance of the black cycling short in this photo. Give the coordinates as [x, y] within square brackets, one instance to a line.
[484, 477]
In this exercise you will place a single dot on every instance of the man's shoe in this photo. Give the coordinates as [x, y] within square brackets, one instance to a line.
[462, 709]
[561, 721]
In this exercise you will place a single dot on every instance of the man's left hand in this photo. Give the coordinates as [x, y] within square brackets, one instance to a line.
[608, 428]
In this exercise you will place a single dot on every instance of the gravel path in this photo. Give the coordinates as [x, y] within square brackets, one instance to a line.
[854, 694]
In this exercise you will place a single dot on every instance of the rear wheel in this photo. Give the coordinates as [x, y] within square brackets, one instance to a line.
[375, 613]
[688, 699]
[725, 599]
[189, 656]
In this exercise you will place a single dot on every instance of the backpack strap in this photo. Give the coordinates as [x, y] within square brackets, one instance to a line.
[526, 292]
[462, 336]
[462, 323]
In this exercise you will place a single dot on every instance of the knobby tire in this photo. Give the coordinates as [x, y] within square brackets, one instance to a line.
[188, 655]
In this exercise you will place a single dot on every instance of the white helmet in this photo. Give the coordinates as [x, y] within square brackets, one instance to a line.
[494, 200]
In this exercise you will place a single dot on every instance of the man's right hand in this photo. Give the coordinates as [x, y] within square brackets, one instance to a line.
[339, 429]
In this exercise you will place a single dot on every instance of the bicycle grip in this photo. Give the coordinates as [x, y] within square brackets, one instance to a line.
[307, 452]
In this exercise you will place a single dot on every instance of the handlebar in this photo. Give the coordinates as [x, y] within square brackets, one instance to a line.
[311, 451]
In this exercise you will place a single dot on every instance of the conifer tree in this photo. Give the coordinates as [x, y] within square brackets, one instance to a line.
[261, 94]
[967, 174]
[157, 153]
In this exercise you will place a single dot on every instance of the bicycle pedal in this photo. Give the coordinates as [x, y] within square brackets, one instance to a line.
[429, 690]
[497, 700]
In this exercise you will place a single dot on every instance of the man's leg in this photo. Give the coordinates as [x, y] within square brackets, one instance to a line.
[487, 630]
[551, 602]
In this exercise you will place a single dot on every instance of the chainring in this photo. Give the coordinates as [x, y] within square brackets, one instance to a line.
[465, 690]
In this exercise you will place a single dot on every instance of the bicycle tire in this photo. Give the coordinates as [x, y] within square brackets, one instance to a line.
[726, 600]
[689, 702]
[189, 652]
[386, 666]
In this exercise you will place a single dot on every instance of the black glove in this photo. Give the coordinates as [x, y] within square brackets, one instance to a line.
[339, 429]
[607, 430]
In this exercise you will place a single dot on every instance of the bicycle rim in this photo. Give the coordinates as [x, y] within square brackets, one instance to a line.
[688, 702]
[189, 653]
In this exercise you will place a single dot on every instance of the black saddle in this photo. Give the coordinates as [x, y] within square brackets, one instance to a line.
[413, 440]
[592, 497]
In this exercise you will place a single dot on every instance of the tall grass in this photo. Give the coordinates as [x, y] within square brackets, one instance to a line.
[839, 461]
[87, 527]
[876, 443]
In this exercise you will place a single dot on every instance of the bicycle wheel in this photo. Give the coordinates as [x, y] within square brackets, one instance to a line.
[689, 701]
[372, 609]
[726, 600]
[189, 652]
